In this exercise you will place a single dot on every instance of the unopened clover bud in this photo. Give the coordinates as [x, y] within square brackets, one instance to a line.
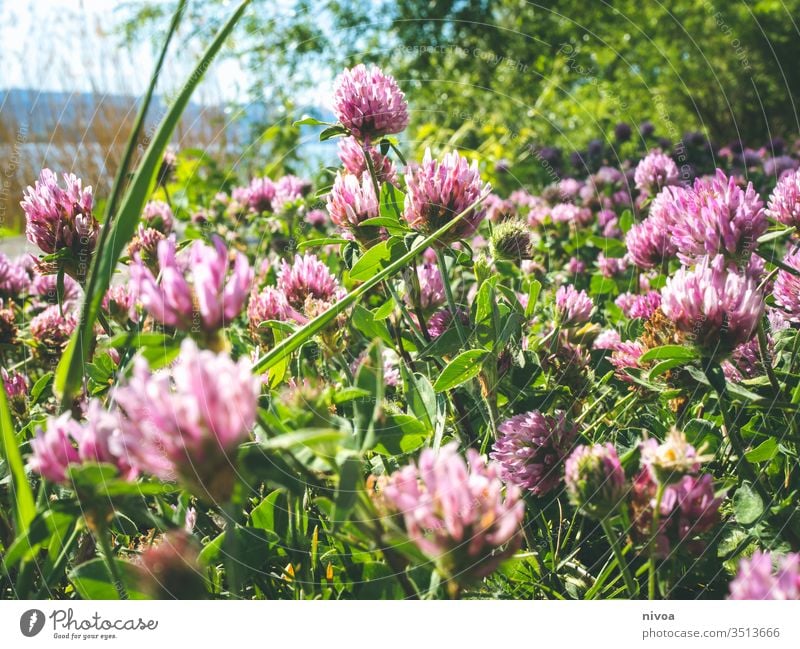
[595, 479]
[169, 568]
[511, 240]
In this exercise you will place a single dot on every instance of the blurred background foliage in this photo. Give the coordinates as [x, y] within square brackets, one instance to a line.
[501, 73]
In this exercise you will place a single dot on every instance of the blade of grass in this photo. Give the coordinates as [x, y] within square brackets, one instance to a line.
[130, 147]
[293, 342]
[71, 367]
[124, 167]
[22, 493]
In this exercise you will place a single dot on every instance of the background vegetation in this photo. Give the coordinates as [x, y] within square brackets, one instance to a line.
[559, 72]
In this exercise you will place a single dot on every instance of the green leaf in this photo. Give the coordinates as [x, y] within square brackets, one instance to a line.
[626, 221]
[367, 411]
[309, 330]
[117, 488]
[664, 366]
[348, 394]
[365, 322]
[421, 398]
[323, 241]
[764, 452]
[310, 438]
[461, 369]
[40, 386]
[45, 525]
[385, 310]
[775, 235]
[140, 339]
[391, 204]
[252, 547]
[307, 120]
[89, 476]
[118, 232]
[485, 305]
[376, 259]
[92, 580]
[447, 344]
[377, 582]
[737, 390]
[610, 247]
[513, 325]
[337, 130]
[601, 285]
[380, 222]
[402, 434]
[533, 296]
[272, 513]
[668, 352]
[747, 505]
[102, 481]
[22, 494]
[347, 490]
[279, 371]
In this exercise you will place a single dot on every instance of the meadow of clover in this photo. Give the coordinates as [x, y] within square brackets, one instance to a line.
[398, 381]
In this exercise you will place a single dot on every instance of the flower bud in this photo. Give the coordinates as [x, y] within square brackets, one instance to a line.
[511, 240]
[170, 569]
[595, 480]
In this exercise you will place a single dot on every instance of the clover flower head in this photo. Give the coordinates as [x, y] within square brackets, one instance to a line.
[458, 513]
[437, 192]
[531, 450]
[369, 103]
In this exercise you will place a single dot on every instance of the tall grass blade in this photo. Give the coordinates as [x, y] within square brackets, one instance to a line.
[71, 367]
[308, 331]
[9, 451]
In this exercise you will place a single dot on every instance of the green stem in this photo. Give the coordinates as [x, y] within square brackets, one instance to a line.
[230, 547]
[345, 367]
[373, 175]
[488, 419]
[58, 565]
[101, 318]
[405, 313]
[491, 429]
[103, 536]
[415, 293]
[664, 270]
[394, 331]
[653, 545]
[733, 435]
[166, 194]
[400, 304]
[630, 584]
[448, 291]
[551, 339]
[795, 349]
[766, 358]
[776, 262]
